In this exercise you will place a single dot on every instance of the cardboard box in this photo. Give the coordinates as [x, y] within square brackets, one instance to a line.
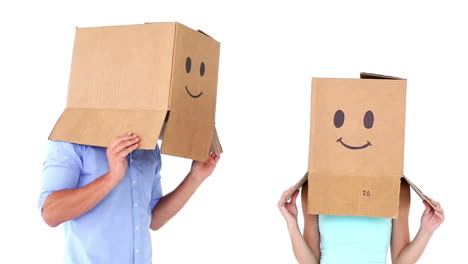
[158, 80]
[356, 146]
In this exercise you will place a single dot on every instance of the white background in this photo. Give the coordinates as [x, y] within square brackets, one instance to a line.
[269, 52]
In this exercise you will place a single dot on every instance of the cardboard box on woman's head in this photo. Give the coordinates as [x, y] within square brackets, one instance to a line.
[356, 145]
[356, 148]
[157, 80]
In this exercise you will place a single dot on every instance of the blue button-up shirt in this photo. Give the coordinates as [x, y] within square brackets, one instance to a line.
[116, 230]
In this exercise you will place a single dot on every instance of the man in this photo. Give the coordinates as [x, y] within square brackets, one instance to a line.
[107, 199]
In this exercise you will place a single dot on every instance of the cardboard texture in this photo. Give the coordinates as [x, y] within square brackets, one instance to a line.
[356, 145]
[158, 80]
[297, 186]
[421, 194]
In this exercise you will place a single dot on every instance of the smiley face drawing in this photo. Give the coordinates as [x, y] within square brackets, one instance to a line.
[368, 122]
[357, 126]
[188, 69]
[194, 74]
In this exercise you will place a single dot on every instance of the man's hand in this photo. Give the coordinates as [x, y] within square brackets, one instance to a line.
[67, 204]
[117, 153]
[171, 203]
[201, 170]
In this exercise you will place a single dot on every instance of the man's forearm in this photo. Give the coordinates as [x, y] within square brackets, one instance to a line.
[64, 205]
[171, 203]
[413, 251]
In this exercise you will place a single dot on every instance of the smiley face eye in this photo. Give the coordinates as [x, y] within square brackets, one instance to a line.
[202, 69]
[338, 120]
[188, 64]
[369, 119]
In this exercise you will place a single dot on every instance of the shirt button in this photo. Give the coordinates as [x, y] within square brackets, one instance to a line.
[136, 251]
[135, 204]
[133, 181]
[137, 228]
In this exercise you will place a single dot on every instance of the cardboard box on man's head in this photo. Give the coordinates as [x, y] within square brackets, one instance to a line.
[356, 145]
[157, 80]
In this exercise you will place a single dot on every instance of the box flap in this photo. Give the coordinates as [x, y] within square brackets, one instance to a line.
[367, 75]
[297, 186]
[356, 195]
[188, 137]
[419, 193]
[216, 144]
[97, 127]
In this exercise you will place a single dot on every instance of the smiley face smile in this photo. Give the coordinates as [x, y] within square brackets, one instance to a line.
[193, 95]
[351, 147]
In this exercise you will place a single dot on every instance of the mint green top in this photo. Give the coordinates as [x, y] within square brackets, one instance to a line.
[354, 239]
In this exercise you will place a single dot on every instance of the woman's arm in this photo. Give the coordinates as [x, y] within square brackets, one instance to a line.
[404, 251]
[311, 230]
[302, 251]
[400, 230]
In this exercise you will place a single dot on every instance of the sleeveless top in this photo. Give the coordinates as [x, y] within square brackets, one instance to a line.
[354, 239]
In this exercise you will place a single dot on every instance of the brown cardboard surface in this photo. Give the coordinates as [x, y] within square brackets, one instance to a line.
[185, 83]
[183, 137]
[297, 186]
[135, 78]
[355, 170]
[216, 144]
[97, 127]
[122, 67]
[336, 195]
[193, 97]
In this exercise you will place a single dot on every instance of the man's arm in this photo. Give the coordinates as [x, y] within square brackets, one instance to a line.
[311, 231]
[65, 205]
[171, 203]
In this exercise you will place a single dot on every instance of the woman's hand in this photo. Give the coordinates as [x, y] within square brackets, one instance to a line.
[289, 209]
[431, 219]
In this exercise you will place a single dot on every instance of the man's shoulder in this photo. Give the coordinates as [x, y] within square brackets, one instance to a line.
[63, 146]
[69, 144]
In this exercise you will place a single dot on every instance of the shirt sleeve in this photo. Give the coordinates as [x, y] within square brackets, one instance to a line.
[156, 193]
[61, 169]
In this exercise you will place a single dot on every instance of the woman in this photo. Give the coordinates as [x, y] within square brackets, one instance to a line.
[357, 239]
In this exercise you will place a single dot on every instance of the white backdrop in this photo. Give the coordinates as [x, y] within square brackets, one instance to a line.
[269, 52]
